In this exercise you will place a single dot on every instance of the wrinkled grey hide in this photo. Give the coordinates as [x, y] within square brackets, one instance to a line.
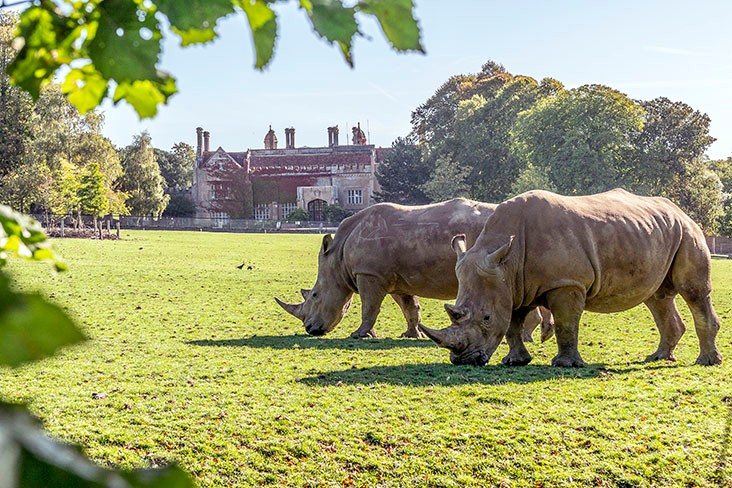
[397, 250]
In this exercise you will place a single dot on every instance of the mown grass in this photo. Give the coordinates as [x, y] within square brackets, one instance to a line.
[197, 364]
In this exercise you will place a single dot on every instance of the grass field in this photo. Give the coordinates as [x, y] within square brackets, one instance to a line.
[197, 364]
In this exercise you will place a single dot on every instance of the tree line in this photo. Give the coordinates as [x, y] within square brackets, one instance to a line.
[493, 134]
[55, 160]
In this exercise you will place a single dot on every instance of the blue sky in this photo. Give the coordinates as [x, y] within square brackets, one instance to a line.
[678, 49]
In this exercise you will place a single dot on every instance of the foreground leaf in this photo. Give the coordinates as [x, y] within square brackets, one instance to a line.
[397, 21]
[263, 24]
[334, 22]
[47, 45]
[126, 45]
[85, 88]
[23, 236]
[194, 20]
[146, 95]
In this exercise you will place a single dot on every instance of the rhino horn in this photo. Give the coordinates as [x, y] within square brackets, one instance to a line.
[305, 293]
[449, 337]
[291, 308]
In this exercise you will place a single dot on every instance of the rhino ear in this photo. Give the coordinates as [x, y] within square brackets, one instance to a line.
[327, 243]
[499, 255]
[458, 245]
[305, 293]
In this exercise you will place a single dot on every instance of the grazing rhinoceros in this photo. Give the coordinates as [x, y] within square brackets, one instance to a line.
[604, 253]
[392, 249]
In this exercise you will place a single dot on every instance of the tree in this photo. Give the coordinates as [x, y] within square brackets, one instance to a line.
[674, 136]
[699, 193]
[402, 173]
[531, 178]
[176, 165]
[298, 214]
[180, 205]
[723, 169]
[92, 192]
[335, 213]
[117, 43]
[449, 180]
[142, 180]
[467, 122]
[482, 134]
[582, 138]
[16, 106]
[19, 187]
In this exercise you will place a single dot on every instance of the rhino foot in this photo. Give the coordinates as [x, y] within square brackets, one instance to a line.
[568, 362]
[414, 334]
[371, 334]
[709, 359]
[516, 361]
[661, 356]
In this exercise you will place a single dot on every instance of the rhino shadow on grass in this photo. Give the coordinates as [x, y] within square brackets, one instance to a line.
[307, 342]
[445, 374]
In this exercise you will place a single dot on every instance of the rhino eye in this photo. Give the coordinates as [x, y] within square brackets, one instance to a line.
[486, 317]
[314, 294]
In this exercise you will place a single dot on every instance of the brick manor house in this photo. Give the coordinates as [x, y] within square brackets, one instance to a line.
[270, 183]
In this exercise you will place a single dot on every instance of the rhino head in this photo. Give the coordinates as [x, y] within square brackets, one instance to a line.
[482, 311]
[328, 301]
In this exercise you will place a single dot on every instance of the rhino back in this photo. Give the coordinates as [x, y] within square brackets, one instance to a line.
[618, 246]
[409, 246]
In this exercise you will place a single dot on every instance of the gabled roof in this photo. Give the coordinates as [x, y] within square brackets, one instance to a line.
[218, 155]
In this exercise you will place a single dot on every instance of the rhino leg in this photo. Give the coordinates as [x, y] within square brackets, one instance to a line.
[690, 275]
[706, 324]
[567, 305]
[411, 310]
[531, 322]
[670, 326]
[547, 324]
[372, 291]
[517, 353]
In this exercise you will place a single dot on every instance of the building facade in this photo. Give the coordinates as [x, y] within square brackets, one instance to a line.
[270, 183]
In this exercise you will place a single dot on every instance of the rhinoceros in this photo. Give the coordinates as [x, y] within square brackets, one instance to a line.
[603, 253]
[403, 251]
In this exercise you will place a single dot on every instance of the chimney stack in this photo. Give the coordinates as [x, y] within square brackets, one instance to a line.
[333, 136]
[290, 138]
[199, 141]
[205, 141]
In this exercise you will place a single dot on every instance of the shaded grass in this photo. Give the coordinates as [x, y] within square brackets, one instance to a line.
[199, 365]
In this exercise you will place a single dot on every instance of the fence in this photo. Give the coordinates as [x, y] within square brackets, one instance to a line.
[62, 225]
[720, 245]
[66, 226]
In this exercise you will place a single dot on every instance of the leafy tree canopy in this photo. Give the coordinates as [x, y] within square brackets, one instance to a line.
[111, 48]
[402, 173]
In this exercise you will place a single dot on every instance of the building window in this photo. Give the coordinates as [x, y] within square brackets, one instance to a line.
[286, 208]
[220, 219]
[261, 212]
[355, 197]
[218, 191]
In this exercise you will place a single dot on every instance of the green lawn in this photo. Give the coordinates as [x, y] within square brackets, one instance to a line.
[199, 365]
